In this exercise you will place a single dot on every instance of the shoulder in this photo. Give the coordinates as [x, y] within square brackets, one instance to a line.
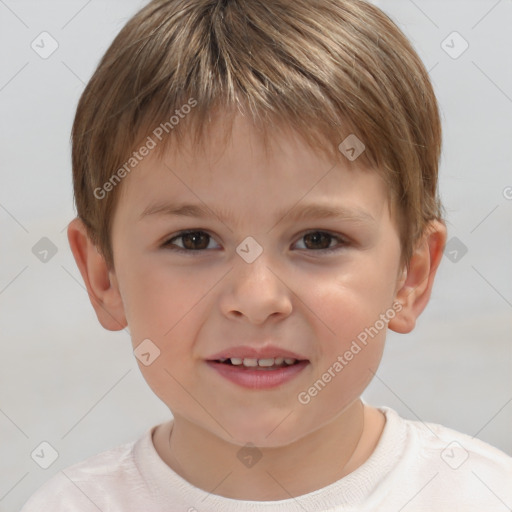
[454, 465]
[86, 485]
[455, 448]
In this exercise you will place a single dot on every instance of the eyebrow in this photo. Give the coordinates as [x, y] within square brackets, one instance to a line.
[310, 211]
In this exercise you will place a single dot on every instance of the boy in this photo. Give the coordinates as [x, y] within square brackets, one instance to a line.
[256, 187]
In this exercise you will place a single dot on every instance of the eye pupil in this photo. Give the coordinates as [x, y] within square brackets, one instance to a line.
[194, 236]
[318, 236]
[196, 242]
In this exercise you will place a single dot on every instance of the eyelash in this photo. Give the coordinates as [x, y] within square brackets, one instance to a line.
[168, 245]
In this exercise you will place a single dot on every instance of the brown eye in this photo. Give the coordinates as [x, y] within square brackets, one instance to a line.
[321, 241]
[196, 241]
[318, 239]
[191, 241]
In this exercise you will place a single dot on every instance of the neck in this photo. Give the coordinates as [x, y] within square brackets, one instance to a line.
[310, 463]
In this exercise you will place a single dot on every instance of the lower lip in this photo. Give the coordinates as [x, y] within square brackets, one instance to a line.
[258, 379]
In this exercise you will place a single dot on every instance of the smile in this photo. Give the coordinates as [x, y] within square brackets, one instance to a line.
[270, 363]
[258, 373]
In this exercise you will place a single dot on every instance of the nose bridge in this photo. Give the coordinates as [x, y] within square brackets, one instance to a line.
[256, 288]
[255, 261]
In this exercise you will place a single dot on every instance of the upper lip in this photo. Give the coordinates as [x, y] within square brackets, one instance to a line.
[267, 352]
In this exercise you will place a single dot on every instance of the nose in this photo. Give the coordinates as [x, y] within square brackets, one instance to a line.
[256, 291]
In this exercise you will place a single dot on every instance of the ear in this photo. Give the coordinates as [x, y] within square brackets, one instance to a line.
[415, 284]
[101, 283]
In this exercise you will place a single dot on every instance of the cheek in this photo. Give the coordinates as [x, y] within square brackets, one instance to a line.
[166, 306]
[163, 307]
[351, 310]
[156, 300]
[354, 298]
[351, 336]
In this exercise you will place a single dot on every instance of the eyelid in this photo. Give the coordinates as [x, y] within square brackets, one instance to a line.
[167, 245]
[343, 240]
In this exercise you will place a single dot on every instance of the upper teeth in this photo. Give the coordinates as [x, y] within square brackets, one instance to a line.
[260, 362]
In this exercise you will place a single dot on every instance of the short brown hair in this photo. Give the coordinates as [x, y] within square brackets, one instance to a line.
[326, 68]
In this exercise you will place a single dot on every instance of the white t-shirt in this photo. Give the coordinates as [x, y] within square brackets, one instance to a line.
[414, 467]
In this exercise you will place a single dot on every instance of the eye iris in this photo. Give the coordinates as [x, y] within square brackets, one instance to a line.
[194, 236]
[191, 239]
[318, 235]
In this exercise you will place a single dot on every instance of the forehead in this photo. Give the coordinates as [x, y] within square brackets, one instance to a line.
[241, 172]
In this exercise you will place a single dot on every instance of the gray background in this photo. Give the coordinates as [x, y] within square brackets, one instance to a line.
[67, 381]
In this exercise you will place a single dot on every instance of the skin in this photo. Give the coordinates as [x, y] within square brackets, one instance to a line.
[294, 295]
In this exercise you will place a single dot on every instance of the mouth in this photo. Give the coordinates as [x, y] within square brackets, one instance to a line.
[258, 374]
[266, 364]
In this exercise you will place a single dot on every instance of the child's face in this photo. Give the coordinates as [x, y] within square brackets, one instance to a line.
[294, 295]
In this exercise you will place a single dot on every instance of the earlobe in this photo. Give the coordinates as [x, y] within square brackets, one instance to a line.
[416, 282]
[100, 282]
